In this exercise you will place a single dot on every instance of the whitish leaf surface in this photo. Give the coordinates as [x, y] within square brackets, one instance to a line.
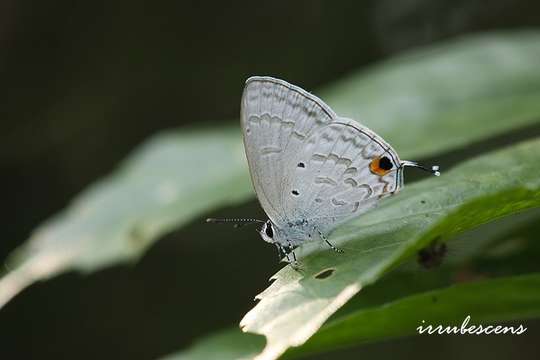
[480, 190]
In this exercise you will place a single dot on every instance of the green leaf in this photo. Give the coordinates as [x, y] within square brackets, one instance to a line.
[517, 297]
[485, 188]
[427, 102]
[408, 283]
[446, 96]
[165, 183]
[462, 262]
[228, 344]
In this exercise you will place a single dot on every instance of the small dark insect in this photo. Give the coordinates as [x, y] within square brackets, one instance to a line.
[432, 255]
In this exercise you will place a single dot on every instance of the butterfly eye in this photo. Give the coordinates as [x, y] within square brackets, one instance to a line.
[381, 165]
[268, 230]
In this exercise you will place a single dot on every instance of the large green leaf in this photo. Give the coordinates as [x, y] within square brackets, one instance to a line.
[483, 189]
[165, 183]
[503, 257]
[446, 96]
[502, 254]
[512, 251]
[518, 297]
[427, 102]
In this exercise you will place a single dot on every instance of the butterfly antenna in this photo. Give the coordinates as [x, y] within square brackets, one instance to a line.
[236, 222]
[434, 169]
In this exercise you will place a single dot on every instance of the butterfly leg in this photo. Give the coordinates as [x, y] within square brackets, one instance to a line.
[288, 250]
[329, 243]
[279, 250]
[295, 264]
[293, 254]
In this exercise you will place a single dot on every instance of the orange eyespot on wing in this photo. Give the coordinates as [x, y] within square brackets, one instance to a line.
[381, 166]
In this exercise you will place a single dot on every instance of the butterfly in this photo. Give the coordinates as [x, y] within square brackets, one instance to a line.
[312, 170]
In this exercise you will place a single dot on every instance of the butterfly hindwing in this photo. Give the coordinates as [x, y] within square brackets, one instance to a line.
[331, 181]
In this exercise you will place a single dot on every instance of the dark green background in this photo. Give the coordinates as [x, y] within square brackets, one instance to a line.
[83, 82]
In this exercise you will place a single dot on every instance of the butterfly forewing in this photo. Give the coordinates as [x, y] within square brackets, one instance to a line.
[277, 118]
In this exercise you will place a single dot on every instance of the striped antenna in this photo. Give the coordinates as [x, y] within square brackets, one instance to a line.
[236, 222]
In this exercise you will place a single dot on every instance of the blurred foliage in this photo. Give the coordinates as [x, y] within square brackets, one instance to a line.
[154, 190]
[231, 344]
[424, 100]
[117, 218]
[83, 82]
